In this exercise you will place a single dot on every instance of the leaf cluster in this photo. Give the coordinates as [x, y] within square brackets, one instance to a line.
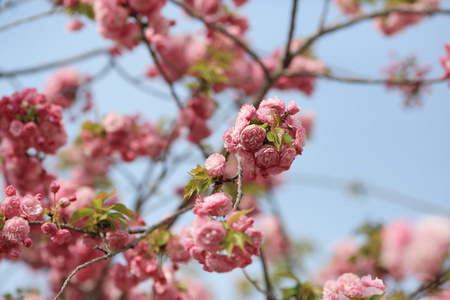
[300, 291]
[199, 183]
[82, 9]
[235, 237]
[100, 217]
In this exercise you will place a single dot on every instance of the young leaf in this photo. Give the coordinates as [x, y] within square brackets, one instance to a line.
[80, 214]
[288, 139]
[102, 195]
[123, 209]
[278, 134]
[239, 214]
[97, 203]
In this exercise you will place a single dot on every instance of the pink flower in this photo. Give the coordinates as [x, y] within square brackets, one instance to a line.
[267, 109]
[292, 108]
[117, 239]
[74, 25]
[445, 61]
[175, 250]
[218, 204]
[252, 137]
[209, 234]
[62, 236]
[266, 157]
[11, 206]
[219, 263]
[49, 229]
[16, 128]
[215, 165]
[113, 122]
[15, 230]
[54, 187]
[247, 111]
[30, 208]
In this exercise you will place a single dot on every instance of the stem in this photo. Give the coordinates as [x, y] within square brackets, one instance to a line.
[239, 184]
[287, 55]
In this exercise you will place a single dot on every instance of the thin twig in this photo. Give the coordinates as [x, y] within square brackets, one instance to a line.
[55, 64]
[105, 243]
[138, 83]
[366, 80]
[287, 53]
[82, 266]
[11, 4]
[65, 226]
[158, 65]
[323, 17]
[239, 184]
[226, 33]
[269, 287]
[29, 19]
[253, 282]
[129, 246]
[307, 42]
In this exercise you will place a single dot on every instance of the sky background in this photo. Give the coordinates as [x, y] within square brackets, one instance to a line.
[363, 133]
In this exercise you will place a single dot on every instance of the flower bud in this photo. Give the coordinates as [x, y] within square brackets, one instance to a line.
[62, 236]
[54, 187]
[49, 229]
[10, 190]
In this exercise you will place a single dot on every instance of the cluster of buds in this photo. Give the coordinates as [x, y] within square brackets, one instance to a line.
[268, 139]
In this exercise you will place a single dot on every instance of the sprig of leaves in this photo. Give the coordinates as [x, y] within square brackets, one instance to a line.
[200, 181]
[102, 217]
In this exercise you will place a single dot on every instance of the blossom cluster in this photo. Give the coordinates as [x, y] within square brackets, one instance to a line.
[395, 22]
[266, 139]
[16, 212]
[207, 238]
[419, 250]
[350, 285]
[65, 86]
[29, 125]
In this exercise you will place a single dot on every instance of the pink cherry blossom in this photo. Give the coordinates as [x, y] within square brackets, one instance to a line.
[218, 204]
[252, 138]
[15, 230]
[215, 165]
[117, 239]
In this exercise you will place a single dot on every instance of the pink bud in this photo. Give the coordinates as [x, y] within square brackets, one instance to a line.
[10, 190]
[54, 187]
[73, 198]
[28, 242]
[64, 202]
[215, 164]
[39, 196]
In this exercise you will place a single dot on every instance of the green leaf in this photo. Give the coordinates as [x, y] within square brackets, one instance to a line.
[123, 209]
[278, 134]
[289, 275]
[288, 139]
[97, 203]
[270, 136]
[239, 214]
[102, 195]
[80, 214]
[116, 216]
[200, 181]
[375, 297]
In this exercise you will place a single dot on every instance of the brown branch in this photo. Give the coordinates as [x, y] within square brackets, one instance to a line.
[269, 287]
[308, 42]
[129, 246]
[367, 80]
[226, 33]
[323, 17]
[29, 19]
[239, 184]
[55, 64]
[287, 53]
[158, 65]
[254, 283]
[66, 226]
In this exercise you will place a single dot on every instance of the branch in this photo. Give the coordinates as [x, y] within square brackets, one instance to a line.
[66, 226]
[239, 184]
[226, 33]
[287, 53]
[133, 244]
[367, 80]
[55, 64]
[158, 65]
[307, 43]
[254, 283]
[269, 287]
[29, 19]
[323, 17]
[138, 83]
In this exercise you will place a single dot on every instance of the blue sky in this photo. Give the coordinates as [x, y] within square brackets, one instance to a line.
[363, 133]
